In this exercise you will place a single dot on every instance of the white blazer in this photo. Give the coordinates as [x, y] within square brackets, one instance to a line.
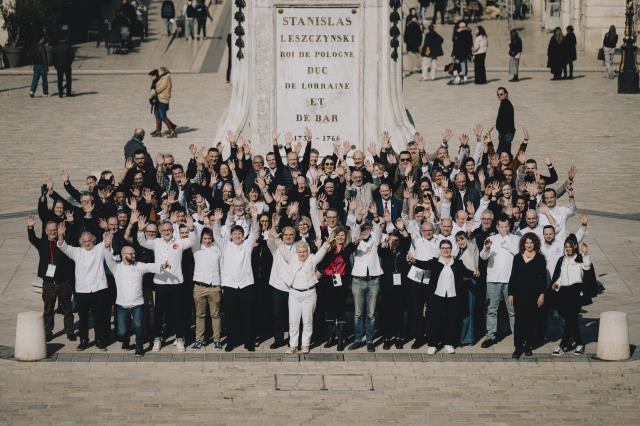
[294, 265]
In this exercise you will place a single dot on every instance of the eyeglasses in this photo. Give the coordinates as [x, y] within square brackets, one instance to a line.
[328, 164]
[404, 160]
[332, 217]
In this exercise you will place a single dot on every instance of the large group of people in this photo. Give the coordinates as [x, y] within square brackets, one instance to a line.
[448, 248]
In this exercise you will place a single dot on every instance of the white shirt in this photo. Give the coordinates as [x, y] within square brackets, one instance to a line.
[236, 258]
[538, 230]
[423, 249]
[560, 214]
[446, 286]
[207, 265]
[90, 275]
[366, 261]
[554, 251]
[129, 279]
[500, 256]
[571, 271]
[168, 251]
[278, 269]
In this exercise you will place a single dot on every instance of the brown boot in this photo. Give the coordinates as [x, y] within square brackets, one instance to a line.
[158, 131]
[172, 130]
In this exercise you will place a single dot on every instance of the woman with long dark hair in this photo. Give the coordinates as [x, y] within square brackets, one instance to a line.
[570, 43]
[609, 47]
[515, 50]
[556, 55]
[468, 255]
[480, 46]
[527, 285]
[569, 278]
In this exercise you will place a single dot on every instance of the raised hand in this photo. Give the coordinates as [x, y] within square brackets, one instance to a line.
[193, 150]
[391, 159]
[308, 135]
[313, 188]
[68, 215]
[584, 219]
[147, 194]
[373, 149]
[189, 220]
[471, 209]
[107, 239]
[410, 182]
[214, 180]
[135, 215]
[573, 170]
[584, 249]
[171, 197]
[31, 221]
[547, 159]
[132, 203]
[478, 131]
[65, 176]
[386, 140]
[419, 140]
[62, 228]
[142, 223]
[525, 133]
[288, 138]
[231, 137]
[447, 135]
[217, 215]
[128, 164]
[49, 184]
[275, 135]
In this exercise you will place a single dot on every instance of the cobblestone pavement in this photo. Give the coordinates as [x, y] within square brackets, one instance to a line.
[319, 393]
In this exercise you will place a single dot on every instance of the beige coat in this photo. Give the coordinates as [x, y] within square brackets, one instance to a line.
[163, 88]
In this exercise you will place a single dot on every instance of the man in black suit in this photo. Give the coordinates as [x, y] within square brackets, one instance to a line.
[56, 271]
[134, 144]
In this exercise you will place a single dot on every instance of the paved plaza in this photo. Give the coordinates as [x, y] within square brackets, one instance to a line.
[582, 122]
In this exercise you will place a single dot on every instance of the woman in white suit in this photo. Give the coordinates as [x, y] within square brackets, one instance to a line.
[300, 277]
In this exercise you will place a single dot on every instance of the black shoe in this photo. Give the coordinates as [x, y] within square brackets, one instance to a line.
[528, 352]
[277, 344]
[101, 346]
[399, 344]
[228, 348]
[516, 354]
[139, 352]
[125, 346]
[60, 95]
[48, 337]
[387, 344]
[59, 310]
[416, 344]
[370, 347]
[488, 342]
[250, 348]
[355, 345]
[82, 346]
[71, 337]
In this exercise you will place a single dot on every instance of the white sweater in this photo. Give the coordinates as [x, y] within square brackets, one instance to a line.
[129, 279]
[90, 276]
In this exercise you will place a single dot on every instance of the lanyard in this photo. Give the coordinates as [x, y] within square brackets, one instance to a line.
[51, 252]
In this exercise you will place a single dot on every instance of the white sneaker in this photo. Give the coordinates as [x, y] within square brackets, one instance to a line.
[180, 345]
[431, 350]
[156, 345]
[175, 342]
[557, 351]
[449, 349]
[304, 350]
[291, 350]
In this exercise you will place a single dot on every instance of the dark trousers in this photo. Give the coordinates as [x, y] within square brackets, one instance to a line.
[147, 294]
[96, 305]
[331, 300]
[263, 318]
[50, 292]
[202, 26]
[66, 73]
[437, 9]
[480, 72]
[526, 321]
[444, 320]
[239, 304]
[564, 69]
[187, 308]
[112, 294]
[280, 304]
[392, 310]
[418, 299]
[167, 309]
[504, 142]
[569, 310]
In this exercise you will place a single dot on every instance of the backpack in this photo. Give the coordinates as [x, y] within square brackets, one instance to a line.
[191, 12]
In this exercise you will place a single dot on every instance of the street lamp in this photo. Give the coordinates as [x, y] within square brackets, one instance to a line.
[628, 77]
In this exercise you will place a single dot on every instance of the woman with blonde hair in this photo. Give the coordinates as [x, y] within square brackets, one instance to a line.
[301, 279]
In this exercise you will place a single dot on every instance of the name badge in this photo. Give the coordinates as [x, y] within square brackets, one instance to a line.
[416, 274]
[51, 271]
[397, 279]
[337, 280]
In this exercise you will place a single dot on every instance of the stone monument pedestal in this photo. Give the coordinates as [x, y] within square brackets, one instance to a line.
[613, 337]
[30, 338]
[334, 66]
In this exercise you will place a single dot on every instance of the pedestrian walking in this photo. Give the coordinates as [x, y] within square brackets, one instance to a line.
[609, 48]
[556, 54]
[41, 64]
[63, 56]
[168, 15]
[480, 46]
[202, 14]
[461, 53]
[570, 43]
[431, 51]
[189, 14]
[438, 6]
[413, 40]
[515, 50]
[163, 94]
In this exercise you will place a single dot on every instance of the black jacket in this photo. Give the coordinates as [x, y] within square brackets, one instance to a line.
[505, 121]
[62, 55]
[515, 46]
[459, 274]
[394, 262]
[168, 10]
[46, 248]
[432, 41]
[589, 286]
[462, 45]
[528, 279]
[413, 37]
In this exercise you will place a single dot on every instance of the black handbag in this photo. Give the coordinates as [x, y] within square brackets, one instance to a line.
[601, 54]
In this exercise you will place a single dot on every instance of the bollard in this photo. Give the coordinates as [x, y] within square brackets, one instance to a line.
[613, 337]
[30, 339]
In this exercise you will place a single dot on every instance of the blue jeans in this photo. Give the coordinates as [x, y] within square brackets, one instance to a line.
[504, 142]
[40, 70]
[496, 291]
[365, 294]
[160, 111]
[123, 319]
[463, 67]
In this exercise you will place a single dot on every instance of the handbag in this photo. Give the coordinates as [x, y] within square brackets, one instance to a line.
[601, 54]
